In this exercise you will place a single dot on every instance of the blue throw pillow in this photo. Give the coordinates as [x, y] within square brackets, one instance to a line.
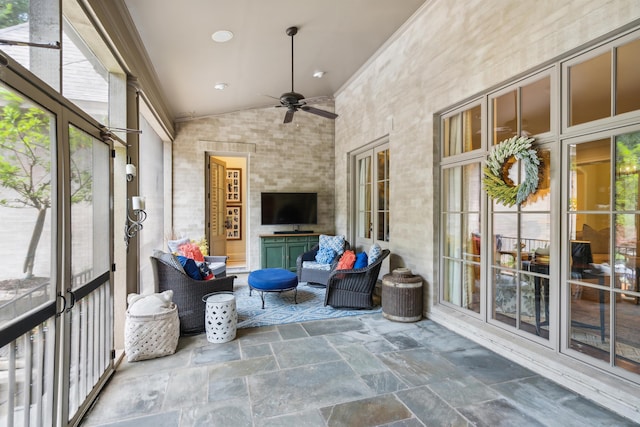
[361, 260]
[190, 267]
[325, 255]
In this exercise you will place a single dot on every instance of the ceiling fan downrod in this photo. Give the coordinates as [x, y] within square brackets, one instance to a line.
[292, 31]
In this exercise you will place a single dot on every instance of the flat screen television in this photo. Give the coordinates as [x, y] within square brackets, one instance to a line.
[289, 208]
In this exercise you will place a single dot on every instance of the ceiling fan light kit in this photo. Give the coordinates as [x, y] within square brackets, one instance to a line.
[294, 101]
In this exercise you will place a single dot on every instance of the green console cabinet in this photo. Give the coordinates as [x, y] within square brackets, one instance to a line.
[282, 250]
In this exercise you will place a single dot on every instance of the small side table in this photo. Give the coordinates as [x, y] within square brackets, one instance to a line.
[221, 317]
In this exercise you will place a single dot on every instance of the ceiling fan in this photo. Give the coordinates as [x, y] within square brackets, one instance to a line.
[294, 101]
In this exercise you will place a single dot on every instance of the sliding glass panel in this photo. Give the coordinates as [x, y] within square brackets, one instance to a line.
[27, 135]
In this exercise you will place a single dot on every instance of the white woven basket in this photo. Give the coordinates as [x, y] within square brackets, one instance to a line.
[151, 336]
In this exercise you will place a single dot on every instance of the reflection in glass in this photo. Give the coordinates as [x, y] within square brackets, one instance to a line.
[590, 90]
[627, 339]
[536, 107]
[462, 132]
[627, 87]
[589, 315]
[505, 229]
[590, 172]
[453, 235]
[27, 134]
[534, 300]
[627, 171]
[505, 110]
[452, 189]
[89, 206]
[472, 185]
[364, 198]
[505, 291]
[383, 196]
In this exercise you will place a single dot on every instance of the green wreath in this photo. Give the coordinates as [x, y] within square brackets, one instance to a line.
[496, 172]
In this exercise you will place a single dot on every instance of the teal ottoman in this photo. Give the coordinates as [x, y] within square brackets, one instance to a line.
[273, 280]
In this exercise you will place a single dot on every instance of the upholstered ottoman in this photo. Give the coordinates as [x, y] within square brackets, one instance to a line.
[273, 280]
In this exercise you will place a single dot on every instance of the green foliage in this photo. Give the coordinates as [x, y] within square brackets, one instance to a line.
[13, 12]
[25, 153]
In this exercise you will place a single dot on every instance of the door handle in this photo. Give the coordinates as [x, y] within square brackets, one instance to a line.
[64, 304]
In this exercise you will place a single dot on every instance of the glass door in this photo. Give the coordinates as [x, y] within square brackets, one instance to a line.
[372, 193]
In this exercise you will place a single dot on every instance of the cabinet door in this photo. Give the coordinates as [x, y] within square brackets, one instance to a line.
[273, 254]
[295, 249]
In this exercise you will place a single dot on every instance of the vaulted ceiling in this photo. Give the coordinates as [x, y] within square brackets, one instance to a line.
[336, 37]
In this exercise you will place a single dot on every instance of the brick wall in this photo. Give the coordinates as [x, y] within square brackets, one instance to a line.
[448, 52]
[298, 156]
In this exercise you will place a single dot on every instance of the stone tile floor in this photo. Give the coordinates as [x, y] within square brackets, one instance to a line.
[353, 371]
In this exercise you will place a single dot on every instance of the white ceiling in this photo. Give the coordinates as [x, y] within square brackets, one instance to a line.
[335, 36]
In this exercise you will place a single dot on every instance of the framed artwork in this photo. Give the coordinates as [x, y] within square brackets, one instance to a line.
[233, 224]
[234, 187]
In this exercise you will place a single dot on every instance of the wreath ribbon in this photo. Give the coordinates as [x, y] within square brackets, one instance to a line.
[498, 186]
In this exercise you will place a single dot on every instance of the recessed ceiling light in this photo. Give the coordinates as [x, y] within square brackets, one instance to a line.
[222, 36]
[318, 74]
[220, 86]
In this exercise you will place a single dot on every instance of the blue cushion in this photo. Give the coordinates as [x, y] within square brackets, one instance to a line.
[325, 255]
[374, 253]
[361, 260]
[190, 267]
[332, 242]
[273, 279]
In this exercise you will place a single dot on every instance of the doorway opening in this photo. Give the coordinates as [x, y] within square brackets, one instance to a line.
[227, 212]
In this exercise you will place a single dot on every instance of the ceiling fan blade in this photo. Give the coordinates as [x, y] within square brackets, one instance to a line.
[288, 117]
[319, 112]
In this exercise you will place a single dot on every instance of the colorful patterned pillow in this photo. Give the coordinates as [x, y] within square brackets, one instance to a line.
[325, 255]
[332, 242]
[374, 253]
[361, 260]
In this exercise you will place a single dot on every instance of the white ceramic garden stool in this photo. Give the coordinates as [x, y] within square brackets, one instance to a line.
[221, 317]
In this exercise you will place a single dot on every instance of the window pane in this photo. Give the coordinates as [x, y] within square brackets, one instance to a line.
[462, 132]
[452, 189]
[364, 198]
[505, 110]
[27, 135]
[536, 107]
[34, 22]
[590, 169]
[453, 236]
[85, 81]
[472, 183]
[627, 171]
[627, 79]
[589, 314]
[472, 129]
[590, 90]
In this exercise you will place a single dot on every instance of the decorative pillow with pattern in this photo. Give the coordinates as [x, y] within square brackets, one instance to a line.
[191, 250]
[174, 245]
[374, 253]
[325, 255]
[332, 242]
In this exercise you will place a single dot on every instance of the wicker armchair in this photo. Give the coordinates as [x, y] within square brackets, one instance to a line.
[354, 288]
[187, 293]
[314, 276]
